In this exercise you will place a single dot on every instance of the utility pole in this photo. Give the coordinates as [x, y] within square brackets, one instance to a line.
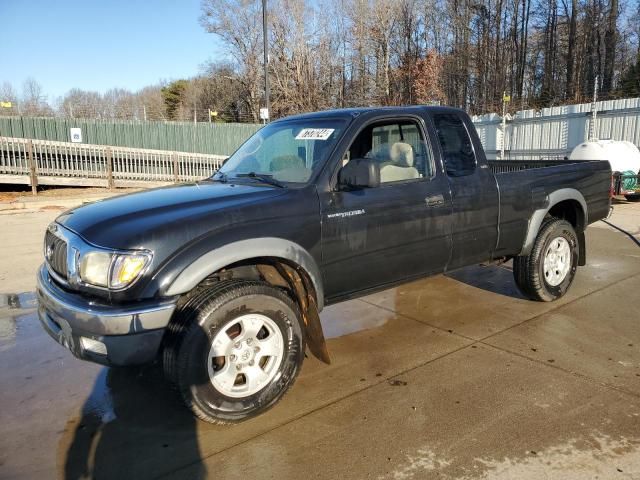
[594, 112]
[144, 111]
[266, 59]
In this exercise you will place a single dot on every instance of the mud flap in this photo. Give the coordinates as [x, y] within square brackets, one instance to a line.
[300, 285]
[582, 246]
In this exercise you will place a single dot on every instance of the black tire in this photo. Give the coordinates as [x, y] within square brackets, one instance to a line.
[528, 270]
[192, 331]
[633, 197]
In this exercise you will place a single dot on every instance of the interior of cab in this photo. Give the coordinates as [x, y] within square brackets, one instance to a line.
[289, 168]
[396, 146]
[278, 150]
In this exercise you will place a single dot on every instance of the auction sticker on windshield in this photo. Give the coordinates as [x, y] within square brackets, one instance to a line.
[314, 133]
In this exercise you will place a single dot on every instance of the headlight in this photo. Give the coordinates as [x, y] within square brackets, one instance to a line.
[94, 268]
[112, 270]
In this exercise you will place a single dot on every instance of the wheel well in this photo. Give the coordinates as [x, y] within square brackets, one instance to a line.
[571, 211]
[254, 269]
[289, 276]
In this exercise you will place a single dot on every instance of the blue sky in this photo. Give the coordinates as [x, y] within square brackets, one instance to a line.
[97, 45]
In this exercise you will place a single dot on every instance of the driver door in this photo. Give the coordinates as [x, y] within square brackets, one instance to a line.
[399, 230]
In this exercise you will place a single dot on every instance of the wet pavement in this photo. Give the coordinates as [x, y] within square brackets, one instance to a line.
[456, 376]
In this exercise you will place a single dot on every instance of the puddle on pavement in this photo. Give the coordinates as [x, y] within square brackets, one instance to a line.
[351, 317]
[18, 301]
[12, 322]
[11, 326]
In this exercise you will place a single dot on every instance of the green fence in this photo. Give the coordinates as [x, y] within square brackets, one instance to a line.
[211, 138]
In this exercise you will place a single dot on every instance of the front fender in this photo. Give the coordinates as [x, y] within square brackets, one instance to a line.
[234, 252]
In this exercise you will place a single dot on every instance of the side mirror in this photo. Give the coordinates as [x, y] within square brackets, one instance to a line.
[360, 173]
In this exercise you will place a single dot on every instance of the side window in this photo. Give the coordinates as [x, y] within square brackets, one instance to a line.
[398, 147]
[455, 143]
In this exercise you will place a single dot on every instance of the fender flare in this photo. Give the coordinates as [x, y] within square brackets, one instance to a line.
[552, 199]
[228, 254]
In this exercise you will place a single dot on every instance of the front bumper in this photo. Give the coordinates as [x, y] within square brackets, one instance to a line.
[130, 334]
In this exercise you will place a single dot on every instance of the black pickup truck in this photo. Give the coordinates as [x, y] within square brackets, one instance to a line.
[223, 280]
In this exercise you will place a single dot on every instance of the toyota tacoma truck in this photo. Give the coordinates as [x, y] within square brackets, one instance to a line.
[222, 280]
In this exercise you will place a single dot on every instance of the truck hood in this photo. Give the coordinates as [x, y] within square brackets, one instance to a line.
[183, 212]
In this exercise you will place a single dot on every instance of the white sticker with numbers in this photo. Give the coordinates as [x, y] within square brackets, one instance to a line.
[314, 133]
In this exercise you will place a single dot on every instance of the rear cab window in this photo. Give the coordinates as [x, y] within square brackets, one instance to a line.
[455, 144]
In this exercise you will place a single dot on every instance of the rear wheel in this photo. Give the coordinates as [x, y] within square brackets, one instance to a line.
[234, 350]
[548, 271]
[634, 197]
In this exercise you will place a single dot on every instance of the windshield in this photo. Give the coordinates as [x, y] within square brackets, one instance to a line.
[289, 151]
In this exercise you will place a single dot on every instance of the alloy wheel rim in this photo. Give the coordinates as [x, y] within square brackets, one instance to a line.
[557, 261]
[245, 355]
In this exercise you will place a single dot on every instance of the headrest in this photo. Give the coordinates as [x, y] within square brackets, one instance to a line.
[286, 161]
[401, 154]
[380, 152]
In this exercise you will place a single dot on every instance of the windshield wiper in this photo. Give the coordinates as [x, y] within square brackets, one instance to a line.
[220, 177]
[263, 177]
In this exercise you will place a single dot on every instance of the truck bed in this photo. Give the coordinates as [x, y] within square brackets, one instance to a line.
[525, 185]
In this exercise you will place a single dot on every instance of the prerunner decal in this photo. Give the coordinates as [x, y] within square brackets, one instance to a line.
[314, 133]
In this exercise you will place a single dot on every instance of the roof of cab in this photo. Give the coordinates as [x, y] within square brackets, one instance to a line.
[355, 112]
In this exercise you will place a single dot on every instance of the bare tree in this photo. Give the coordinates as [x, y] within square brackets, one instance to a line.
[149, 99]
[610, 41]
[238, 24]
[427, 74]
[77, 103]
[573, 30]
[341, 53]
[34, 101]
[221, 92]
[8, 96]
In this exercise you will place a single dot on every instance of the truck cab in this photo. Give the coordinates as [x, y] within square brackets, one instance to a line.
[434, 208]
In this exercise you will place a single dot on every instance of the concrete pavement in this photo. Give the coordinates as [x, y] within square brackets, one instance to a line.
[455, 376]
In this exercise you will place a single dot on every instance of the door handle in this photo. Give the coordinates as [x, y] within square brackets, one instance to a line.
[434, 201]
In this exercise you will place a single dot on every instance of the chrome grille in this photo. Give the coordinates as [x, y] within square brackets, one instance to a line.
[55, 251]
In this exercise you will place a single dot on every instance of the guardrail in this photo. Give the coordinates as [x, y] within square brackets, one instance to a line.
[42, 162]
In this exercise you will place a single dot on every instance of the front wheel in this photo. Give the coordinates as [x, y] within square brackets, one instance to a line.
[234, 350]
[548, 271]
